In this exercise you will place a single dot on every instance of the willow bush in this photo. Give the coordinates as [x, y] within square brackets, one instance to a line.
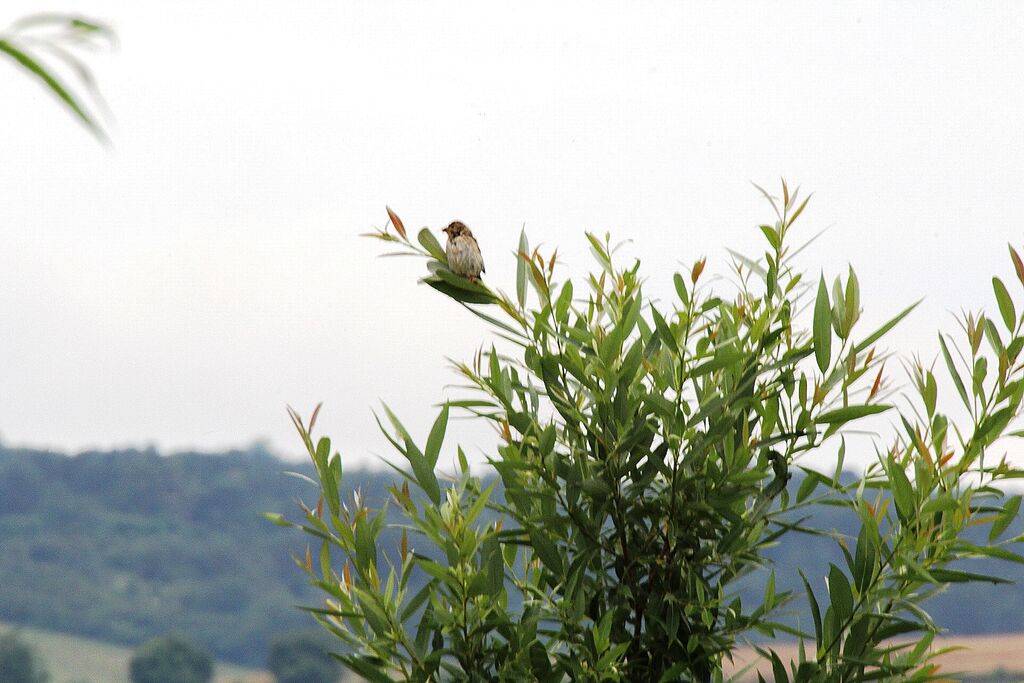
[645, 449]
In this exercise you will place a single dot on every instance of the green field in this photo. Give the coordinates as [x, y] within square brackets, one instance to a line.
[71, 659]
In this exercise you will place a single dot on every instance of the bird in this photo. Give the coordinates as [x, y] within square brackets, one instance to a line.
[463, 252]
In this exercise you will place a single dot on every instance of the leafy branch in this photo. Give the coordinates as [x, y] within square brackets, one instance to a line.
[41, 43]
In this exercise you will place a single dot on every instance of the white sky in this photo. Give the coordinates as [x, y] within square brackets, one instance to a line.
[180, 289]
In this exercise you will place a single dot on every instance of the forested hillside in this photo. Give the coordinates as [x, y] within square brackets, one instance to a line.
[125, 545]
[121, 546]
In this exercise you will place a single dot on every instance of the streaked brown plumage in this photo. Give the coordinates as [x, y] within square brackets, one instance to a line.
[463, 252]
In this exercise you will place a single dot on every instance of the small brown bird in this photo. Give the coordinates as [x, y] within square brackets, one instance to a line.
[463, 252]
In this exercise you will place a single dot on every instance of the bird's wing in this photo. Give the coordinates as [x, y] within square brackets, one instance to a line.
[476, 244]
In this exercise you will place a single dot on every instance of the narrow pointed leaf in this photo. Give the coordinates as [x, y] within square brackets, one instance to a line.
[880, 332]
[430, 243]
[840, 593]
[436, 437]
[524, 249]
[1005, 304]
[822, 327]
[55, 86]
[396, 221]
[843, 415]
[1018, 265]
[954, 375]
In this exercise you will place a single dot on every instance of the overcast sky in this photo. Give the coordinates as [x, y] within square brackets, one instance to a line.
[180, 289]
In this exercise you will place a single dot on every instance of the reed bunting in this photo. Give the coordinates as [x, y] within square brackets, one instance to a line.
[463, 252]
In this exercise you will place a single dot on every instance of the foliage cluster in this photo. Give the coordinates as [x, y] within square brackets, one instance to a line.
[645, 452]
[170, 659]
[19, 662]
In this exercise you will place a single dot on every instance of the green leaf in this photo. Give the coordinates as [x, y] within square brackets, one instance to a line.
[596, 487]
[978, 377]
[953, 373]
[397, 424]
[941, 503]
[547, 551]
[902, 491]
[799, 210]
[865, 559]
[599, 252]
[417, 600]
[422, 469]
[1018, 264]
[779, 669]
[858, 633]
[55, 86]
[426, 478]
[672, 674]
[957, 576]
[436, 437]
[881, 331]
[478, 505]
[1005, 304]
[457, 291]
[850, 413]
[840, 593]
[815, 610]
[771, 235]
[495, 566]
[1005, 518]
[992, 334]
[277, 518]
[930, 393]
[839, 310]
[564, 301]
[430, 243]
[367, 667]
[995, 551]
[524, 250]
[822, 327]
[993, 425]
[807, 487]
[436, 570]
[768, 597]
[325, 560]
[664, 331]
[320, 457]
[365, 543]
[852, 300]
[681, 292]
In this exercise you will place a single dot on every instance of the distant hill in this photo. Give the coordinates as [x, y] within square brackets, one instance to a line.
[121, 546]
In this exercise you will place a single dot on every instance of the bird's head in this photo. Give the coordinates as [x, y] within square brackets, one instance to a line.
[456, 228]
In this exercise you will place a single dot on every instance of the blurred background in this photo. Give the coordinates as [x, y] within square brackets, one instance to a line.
[171, 292]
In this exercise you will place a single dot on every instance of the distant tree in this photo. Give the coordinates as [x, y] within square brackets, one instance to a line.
[170, 659]
[302, 658]
[19, 661]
